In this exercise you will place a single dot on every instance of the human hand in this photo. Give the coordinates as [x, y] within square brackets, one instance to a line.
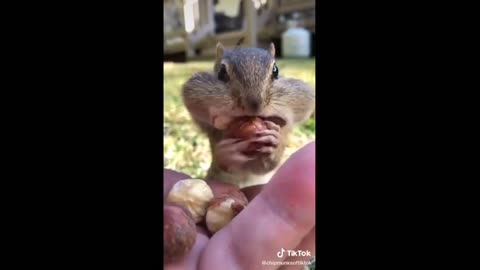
[280, 215]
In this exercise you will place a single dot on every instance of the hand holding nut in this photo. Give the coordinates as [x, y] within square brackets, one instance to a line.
[193, 201]
[288, 199]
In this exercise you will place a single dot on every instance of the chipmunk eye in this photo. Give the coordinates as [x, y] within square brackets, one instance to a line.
[222, 74]
[275, 71]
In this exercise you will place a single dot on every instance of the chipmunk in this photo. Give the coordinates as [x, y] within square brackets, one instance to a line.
[246, 82]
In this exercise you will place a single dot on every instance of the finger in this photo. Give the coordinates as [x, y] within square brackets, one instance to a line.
[272, 125]
[252, 191]
[240, 158]
[227, 141]
[234, 146]
[279, 217]
[265, 139]
[267, 132]
[266, 149]
[308, 246]
[228, 161]
[170, 177]
[233, 157]
[190, 262]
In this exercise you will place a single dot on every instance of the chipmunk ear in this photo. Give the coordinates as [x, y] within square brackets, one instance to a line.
[272, 49]
[219, 57]
[219, 51]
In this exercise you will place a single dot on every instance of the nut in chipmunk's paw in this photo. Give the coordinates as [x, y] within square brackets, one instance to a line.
[179, 232]
[194, 194]
[245, 127]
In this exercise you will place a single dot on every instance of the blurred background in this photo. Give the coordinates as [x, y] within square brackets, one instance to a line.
[192, 29]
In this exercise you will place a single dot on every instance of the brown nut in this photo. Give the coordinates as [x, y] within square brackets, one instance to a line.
[245, 127]
[194, 194]
[179, 232]
[221, 189]
[223, 208]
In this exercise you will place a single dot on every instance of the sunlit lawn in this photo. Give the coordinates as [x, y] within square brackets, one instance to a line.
[185, 148]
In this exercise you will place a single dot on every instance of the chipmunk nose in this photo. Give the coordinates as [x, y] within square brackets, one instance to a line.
[254, 104]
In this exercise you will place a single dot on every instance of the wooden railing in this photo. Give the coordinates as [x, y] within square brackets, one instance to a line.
[254, 25]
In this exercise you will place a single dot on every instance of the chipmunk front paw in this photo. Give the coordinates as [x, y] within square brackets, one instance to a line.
[269, 139]
[230, 154]
[258, 154]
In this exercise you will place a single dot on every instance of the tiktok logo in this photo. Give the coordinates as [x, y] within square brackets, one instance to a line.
[294, 253]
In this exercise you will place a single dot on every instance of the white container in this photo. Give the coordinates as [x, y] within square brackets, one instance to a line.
[296, 41]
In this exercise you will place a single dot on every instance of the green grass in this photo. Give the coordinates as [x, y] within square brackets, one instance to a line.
[185, 148]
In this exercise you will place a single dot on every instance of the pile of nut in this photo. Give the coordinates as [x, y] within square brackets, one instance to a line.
[192, 202]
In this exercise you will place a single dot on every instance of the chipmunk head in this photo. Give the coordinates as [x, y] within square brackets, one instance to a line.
[246, 82]
[249, 74]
